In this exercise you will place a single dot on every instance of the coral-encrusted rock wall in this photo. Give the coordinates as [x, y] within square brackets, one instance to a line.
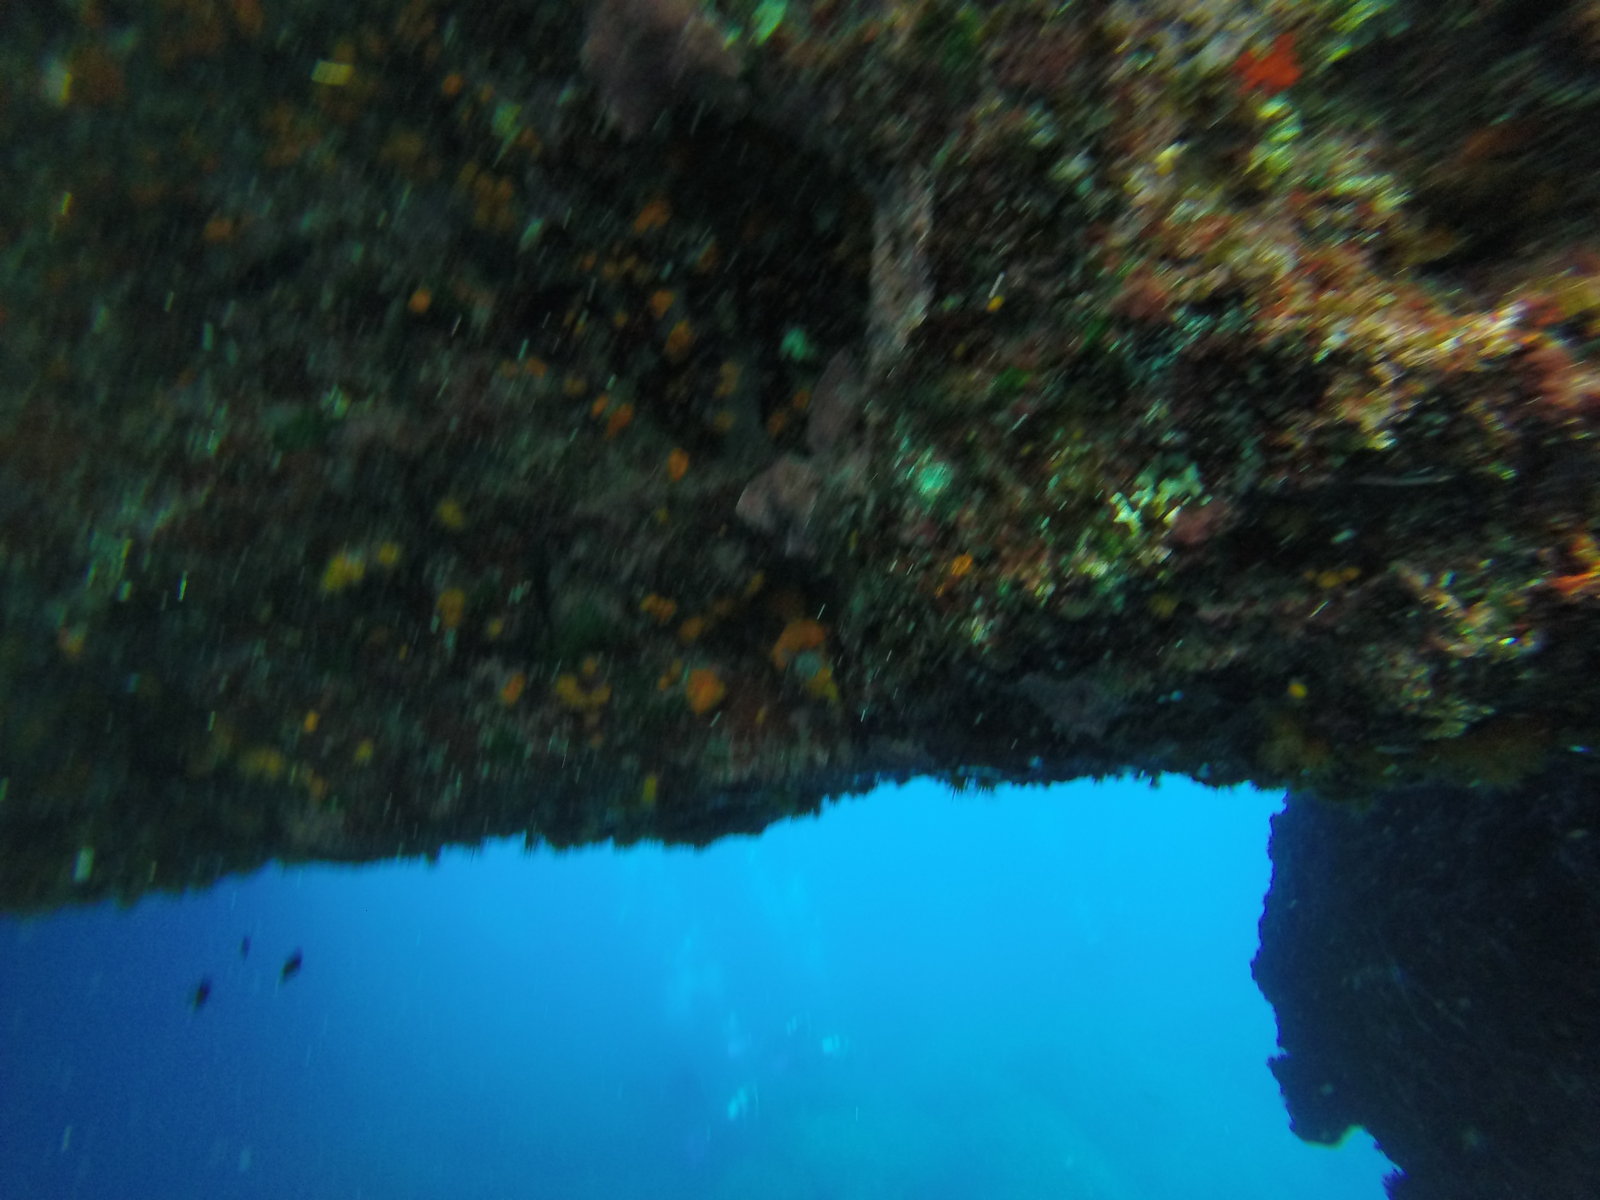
[644, 419]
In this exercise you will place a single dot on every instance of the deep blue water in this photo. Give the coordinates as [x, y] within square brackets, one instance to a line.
[918, 996]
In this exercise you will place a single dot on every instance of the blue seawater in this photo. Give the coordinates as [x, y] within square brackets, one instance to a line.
[1018, 994]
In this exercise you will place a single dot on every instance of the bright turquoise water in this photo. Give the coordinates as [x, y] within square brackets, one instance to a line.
[1026, 994]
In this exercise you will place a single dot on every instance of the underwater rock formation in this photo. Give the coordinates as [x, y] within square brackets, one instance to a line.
[646, 419]
[1434, 962]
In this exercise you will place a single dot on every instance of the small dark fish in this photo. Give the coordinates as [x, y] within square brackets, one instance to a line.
[244, 947]
[291, 967]
[202, 993]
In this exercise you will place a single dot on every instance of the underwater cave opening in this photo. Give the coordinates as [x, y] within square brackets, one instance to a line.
[1042, 991]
